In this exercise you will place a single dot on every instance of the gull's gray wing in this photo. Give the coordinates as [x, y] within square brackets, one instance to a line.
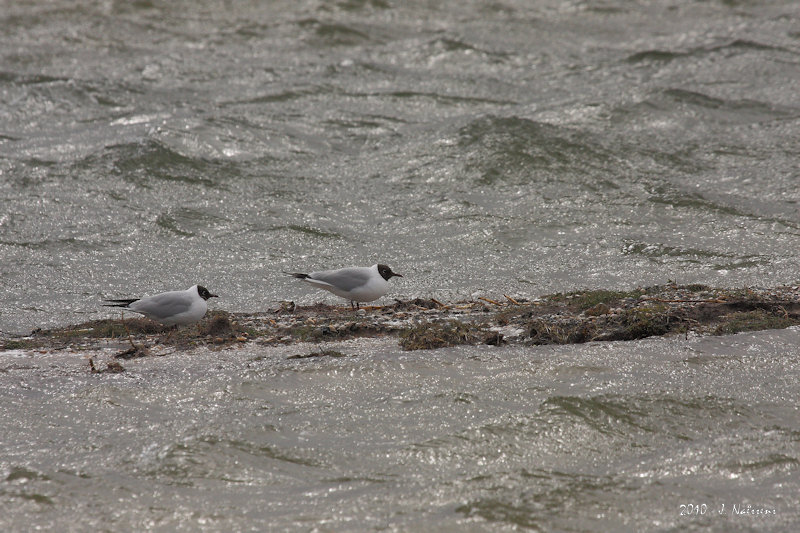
[345, 279]
[163, 306]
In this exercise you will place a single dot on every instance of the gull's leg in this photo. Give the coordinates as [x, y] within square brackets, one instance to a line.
[172, 330]
[130, 338]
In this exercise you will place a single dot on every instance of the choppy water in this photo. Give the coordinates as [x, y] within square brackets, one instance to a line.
[601, 437]
[477, 148]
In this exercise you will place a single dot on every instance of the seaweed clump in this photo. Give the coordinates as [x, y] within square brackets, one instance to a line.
[541, 331]
[432, 335]
[583, 300]
[626, 325]
[633, 324]
[219, 327]
[322, 353]
[756, 320]
[564, 318]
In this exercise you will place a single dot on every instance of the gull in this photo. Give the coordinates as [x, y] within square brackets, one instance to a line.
[357, 284]
[174, 308]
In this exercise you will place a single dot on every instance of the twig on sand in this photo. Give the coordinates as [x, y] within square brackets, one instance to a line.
[662, 300]
[512, 300]
[490, 301]
[440, 304]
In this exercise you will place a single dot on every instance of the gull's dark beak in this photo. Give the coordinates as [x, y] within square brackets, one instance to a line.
[213, 296]
[396, 274]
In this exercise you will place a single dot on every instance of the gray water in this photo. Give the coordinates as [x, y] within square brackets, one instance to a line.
[478, 148]
[601, 437]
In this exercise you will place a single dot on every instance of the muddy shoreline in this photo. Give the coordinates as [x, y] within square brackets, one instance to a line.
[564, 318]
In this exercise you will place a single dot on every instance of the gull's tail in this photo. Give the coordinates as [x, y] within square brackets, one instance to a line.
[120, 303]
[297, 275]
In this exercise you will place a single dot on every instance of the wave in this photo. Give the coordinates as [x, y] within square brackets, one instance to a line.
[519, 149]
[336, 34]
[674, 108]
[147, 162]
[735, 46]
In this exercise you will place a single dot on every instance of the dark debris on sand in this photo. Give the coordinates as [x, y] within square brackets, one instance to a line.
[112, 367]
[564, 318]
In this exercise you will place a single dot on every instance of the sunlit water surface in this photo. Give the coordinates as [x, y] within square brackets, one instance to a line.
[479, 149]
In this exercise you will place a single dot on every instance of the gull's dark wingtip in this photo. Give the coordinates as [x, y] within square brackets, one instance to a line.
[297, 275]
[119, 303]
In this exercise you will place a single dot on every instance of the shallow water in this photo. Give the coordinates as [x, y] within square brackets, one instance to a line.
[480, 149]
[604, 436]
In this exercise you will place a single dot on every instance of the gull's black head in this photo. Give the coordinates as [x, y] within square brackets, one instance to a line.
[204, 294]
[386, 272]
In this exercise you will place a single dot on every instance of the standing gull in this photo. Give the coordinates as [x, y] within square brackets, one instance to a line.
[174, 308]
[357, 284]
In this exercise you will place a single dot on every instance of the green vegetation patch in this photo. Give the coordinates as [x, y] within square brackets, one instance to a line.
[583, 300]
[432, 335]
[220, 324]
[543, 331]
[332, 331]
[105, 329]
[631, 324]
[17, 344]
[757, 320]
[635, 324]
